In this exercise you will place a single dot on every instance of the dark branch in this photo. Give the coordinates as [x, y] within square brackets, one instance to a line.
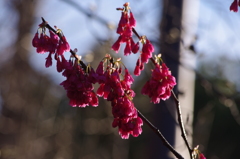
[159, 134]
[179, 114]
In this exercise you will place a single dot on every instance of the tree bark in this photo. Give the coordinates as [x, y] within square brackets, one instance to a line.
[165, 112]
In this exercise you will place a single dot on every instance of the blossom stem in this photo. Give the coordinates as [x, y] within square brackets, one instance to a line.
[179, 114]
[158, 132]
[135, 32]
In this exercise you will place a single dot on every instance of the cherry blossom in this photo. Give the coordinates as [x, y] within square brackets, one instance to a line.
[50, 43]
[234, 6]
[160, 85]
[78, 86]
[116, 88]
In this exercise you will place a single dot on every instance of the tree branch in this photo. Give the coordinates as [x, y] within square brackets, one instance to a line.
[159, 134]
[180, 121]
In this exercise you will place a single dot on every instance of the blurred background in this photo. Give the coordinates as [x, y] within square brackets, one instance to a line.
[199, 41]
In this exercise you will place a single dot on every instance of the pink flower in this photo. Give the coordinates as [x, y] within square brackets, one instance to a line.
[133, 127]
[123, 20]
[114, 82]
[103, 91]
[44, 43]
[234, 6]
[146, 54]
[36, 40]
[116, 45]
[137, 70]
[92, 76]
[135, 47]
[147, 51]
[63, 46]
[54, 37]
[42, 46]
[132, 21]
[78, 83]
[127, 50]
[201, 156]
[60, 49]
[125, 25]
[119, 93]
[122, 23]
[101, 76]
[127, 32]
[124, 108]
[128, 78]
[48, 60]
[65, 63]
[160, 85]
[100, 68]
[79, 88]
[93, 100]
[124, 112]
[53, 42]
[59, 65]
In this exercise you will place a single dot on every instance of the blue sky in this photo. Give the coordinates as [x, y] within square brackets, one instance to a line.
[219, 36]
[217, 32]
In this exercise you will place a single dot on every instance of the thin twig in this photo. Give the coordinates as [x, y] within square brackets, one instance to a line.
[159, 134]
[179, 114]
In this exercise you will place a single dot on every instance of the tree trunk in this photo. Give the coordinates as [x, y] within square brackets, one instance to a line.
[165, 112]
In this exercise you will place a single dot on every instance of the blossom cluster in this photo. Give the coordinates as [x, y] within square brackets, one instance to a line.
[80, 79]
[112, 76]
[125, 30]
[160, 85]
[162, 82]
[118, 91]
[52, 43]
[79, 85]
